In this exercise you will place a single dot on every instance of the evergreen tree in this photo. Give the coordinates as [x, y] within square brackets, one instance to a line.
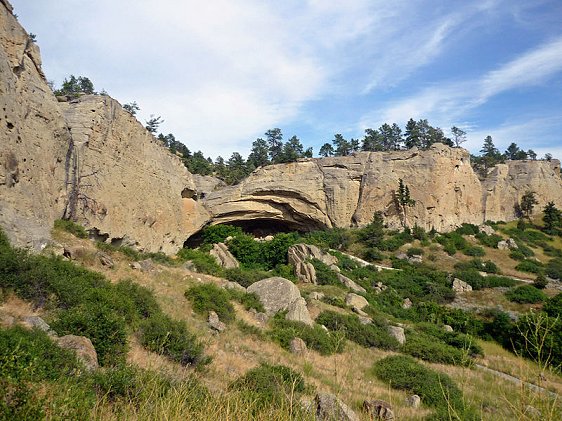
[528, 202]
[341, 146]
[403, 200]
[292, 150]
[373, 234]
[391, 137]
[532, 154]
[74, 86]
[372, 141]
[131, 108]
[551, 218]
[274, 139]
[153, 123]
[514, 153]
[489, 149]
[259, 154]
[459, 136]
[413, 135]
[326, 150]
[236, 169]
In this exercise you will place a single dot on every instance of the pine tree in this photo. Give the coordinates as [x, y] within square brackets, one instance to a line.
[551, 217]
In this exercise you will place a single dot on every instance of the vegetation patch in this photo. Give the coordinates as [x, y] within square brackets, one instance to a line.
[208, 297]
[526, 294]
[71, 227]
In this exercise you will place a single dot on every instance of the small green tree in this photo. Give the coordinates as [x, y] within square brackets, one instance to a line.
[551, 217]
[459, 135]
[132, 108]
[403, 200]
[326, 150]
[373, 234]
[74, 86]
[153, 123]
[528, 202]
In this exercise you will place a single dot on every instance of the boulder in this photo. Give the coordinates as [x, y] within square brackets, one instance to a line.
[233, 285]
[82, 346]
[486, 229]
[407, 303]
[214, 322]
[305, 272]
[508, 244]
[299, 256]
[378, 409]
[356, 301]
[276, 293]
[330, 408]
[298, 346]
[316, 295]
[36, 322]
[397, 332]
[414, 401]
[447, 328]
[105, 259]
[298, 312]
[461, 286]
[351, 284]
[223, 256]
[143, 265]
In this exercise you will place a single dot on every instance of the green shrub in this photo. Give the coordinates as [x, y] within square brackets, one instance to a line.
[419, 233]
[208, 297]
[489, 240]
[459, 320]
[457, 340]
[553, 306]
[414, 251]
[218, 233]
[106, 330]
[517, 255]
[334, 301]
[435, 389]
[325, 275]
[474, 251]
[554, 268]
[335, 238]
[372, 254]
[526, 294]
[540, 282]
[450, 249]
[248, 300]
[169, 337]
[530, 266]
[429, 349]
[271, 384]
[142, 298]
[315, 337]
[487, 266]
[467, 229]
[203, 262]
[71, 227]
[369, 335]
[262, 255]
[245, 277]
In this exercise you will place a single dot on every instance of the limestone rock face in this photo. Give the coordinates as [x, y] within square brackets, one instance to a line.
[140, 194]
[33, 140]
[461, 286]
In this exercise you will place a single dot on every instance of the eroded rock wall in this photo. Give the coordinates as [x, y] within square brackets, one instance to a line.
[33, 140]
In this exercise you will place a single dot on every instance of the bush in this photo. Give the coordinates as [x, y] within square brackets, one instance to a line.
[457, 340]
[171, 338]
[208, 297]
[488, 266]
[203, 262]
[517, 255]
[271, 384]
[429, 349]
[142, 298]
[435, 389]
[218, 233]
[262, 255]
[540, 282]
[554, 268]
[459, 320]
[245, 277]
[370, 335]
[106, 330]
[315, 337]
[71, 227]
[325, 275]
[553, 306]
[474, 251]
[414, 251]
[489, 240]
[526, 294]
[529, 266]
[335, 238]
[467, 229]
[248, 300]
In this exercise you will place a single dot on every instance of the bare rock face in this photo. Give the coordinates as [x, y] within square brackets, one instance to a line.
[298, 256]
[33, 140]
[83, 348]
[223, 256]
[379, 409]
[298, 346]
[138, 193]
[352, 285]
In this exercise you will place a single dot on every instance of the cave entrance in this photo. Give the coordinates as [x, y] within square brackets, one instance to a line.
[256, 227]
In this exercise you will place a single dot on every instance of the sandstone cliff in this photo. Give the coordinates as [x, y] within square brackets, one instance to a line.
[33, 139]
[89, 153]
[346, 191]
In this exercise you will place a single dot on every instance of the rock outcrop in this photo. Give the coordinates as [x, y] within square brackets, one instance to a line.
[346, 191]
[223, 256]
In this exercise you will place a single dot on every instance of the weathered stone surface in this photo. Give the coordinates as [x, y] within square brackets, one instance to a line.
[330, 408]
[298, 256]
[223, 256]
[397, 333]
[447, 328]
[298, 312]
[460, 286]
[36, 322]
[298, 346]
[413, 401]
[83, 348]
[351, 284]
[143, 265]
[233, 285]
[508, 244]
[407, 303]
[356, 301]
[105, 260]
[276, 294]
[378, 409]
[305, 272]
[214, 322]
[316, 295]
[206, 184]
[486, 229]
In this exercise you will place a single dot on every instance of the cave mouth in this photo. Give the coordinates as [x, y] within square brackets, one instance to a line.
[256, 227]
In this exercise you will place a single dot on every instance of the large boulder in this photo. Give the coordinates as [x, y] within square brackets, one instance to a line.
[461, 286]
[298, 312]
[299, 256]
[356, 301]
[276, 293]
[352, 285]
[378, 410]
[305, 272]
[82, 346]
[397, 333]
[330, 408]
[223, 256]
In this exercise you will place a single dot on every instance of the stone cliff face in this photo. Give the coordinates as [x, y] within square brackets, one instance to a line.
[131, 190]
[88, 152]
[33, 139]
[346, 191]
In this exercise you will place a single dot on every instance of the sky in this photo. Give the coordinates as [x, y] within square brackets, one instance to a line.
[221, 72]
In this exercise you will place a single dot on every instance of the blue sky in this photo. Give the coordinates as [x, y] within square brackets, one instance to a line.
[222, 72]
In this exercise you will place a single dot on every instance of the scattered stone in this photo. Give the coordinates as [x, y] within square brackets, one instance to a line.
[223, 256]
[105, 260]
[351, 284]
[397, 333]
[416, 258]
[298, 346]
[56, 249]
[413, 401]
[378, 409]
[447, 328]
[305, 272]
[276, 294]
[335, 268]
[316, 295]
[532, 412]
[143, 265]
[189, 265]
[233, 285]
[299, 256]
[461, 286]
[298, 312]
[402, 256]
[260, 317]
[365, 320]
[359, 312]
[74, 253]
[356, 301]
[487, 229]
[324, 328]
[82, 346]
[215, 323]
[508, 244]
[36, 322]
[407, 303]
[330, 408]
[268, 238]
